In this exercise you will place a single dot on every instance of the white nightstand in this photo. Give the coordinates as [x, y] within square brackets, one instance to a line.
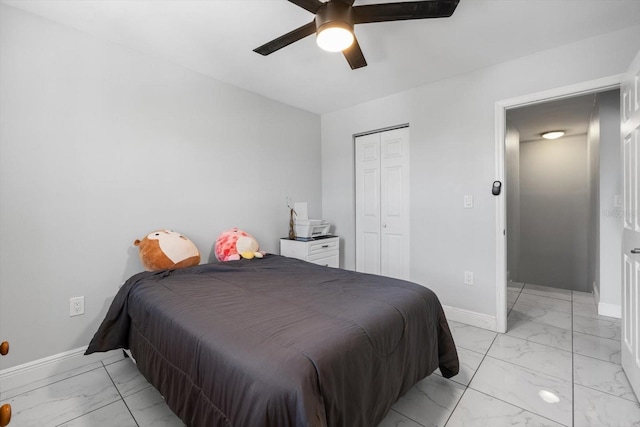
[322, 250]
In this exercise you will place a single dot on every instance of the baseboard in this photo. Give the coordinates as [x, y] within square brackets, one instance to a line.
[610, 310]
[596, 294]
[605, 308]
[27, 373]
[472, 318]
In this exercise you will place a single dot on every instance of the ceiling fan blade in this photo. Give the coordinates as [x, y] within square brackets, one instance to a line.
[287, 39]
[404, 11]
[310, 5]
[354, 55]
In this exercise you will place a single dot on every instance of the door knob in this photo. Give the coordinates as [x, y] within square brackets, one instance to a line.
[4, 348]
[635, 251]
[5, 415]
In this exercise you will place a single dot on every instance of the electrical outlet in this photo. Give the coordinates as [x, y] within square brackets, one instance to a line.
[76, 306]
[468, 277]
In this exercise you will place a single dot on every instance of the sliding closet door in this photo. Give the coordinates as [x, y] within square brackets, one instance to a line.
[382, 203]
[368, 221]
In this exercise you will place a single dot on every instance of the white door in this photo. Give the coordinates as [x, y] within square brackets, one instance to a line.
[382, 203]
[368, 221]
[630, 132]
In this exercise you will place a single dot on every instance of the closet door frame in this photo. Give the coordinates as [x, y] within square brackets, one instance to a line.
[382, 197]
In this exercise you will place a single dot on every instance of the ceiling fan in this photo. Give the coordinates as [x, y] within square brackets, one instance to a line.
[335, 19]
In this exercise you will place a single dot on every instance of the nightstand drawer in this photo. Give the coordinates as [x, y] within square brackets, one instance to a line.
[328, 260]
[322, 246]
[323, 251]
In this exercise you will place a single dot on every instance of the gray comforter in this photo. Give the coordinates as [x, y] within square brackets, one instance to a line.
[278, 342]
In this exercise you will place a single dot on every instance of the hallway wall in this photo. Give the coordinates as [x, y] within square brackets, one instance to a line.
[608, 216]
[554, 205]
[512, 192]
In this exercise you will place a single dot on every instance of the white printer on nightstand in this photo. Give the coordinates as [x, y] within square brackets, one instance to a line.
[308, 229]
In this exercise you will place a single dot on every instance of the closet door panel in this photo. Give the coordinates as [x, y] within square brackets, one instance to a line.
[368, 203]
[382, 203]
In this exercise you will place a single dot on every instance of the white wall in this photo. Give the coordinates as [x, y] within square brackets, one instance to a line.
[554, 212]
[452, 154]
[610, 216]
[593, 235]
[100, 145]
[512, 193]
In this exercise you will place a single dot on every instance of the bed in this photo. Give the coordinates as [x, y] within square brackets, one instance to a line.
[278, 342]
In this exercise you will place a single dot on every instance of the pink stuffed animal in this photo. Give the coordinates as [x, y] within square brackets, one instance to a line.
[231, 245]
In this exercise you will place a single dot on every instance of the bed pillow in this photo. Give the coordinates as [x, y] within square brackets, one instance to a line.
[166, 249]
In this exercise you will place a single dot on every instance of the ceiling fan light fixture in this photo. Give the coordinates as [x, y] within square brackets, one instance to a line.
[334, 37]
[335, 20]
[553, 134]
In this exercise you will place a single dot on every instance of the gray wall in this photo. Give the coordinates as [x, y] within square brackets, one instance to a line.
[100, 145]
[593, 235]
[452, 154]
[554, 206]
[609, 216]
[512, 193]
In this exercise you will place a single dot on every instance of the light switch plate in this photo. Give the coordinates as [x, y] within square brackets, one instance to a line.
[468, 277]
[468, 201]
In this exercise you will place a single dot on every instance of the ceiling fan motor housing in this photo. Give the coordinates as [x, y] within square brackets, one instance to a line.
[334, 14]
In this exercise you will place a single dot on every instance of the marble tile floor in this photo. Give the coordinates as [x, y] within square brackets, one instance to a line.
[557, 365]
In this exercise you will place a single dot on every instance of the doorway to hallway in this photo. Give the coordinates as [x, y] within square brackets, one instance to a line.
[563, 192]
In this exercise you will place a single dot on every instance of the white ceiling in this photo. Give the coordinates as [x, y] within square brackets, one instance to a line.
[571, 115]
[216, 38]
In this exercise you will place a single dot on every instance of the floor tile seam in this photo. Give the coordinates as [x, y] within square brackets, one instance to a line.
[484, 356]
[513, 305]
[589, 303]
[609, 394]
[596, 358]
[602, 318]
[87, 413]
[529, 319]
[533, 342]
[129, 394]
[543, 292]
[519, 407]
[112, 363]
[122, 397]
[456, 405]
[529, 369]
[48, 384]
[597, 336]
[475, 351]
[539, 294]
[404, 415]
[545, 299]
[540, 305]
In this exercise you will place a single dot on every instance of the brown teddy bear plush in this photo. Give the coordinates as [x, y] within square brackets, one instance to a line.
[166, 249]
